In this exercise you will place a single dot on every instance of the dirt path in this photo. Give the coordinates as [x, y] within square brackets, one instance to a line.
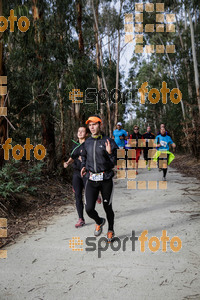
[42, 266]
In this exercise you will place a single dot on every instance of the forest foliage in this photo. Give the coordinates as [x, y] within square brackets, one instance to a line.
[79, 45]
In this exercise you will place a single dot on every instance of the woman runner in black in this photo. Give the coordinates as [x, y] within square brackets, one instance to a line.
[148, 135]
[136, 136]
[98, 159]
[78, 182]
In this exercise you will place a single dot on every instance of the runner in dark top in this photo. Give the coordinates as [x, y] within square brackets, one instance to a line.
[148, 136]
[78, 182]
[98, 160]
[136, 136]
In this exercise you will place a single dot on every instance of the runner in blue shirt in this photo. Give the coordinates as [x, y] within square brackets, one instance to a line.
[163, 141]
[120, 135]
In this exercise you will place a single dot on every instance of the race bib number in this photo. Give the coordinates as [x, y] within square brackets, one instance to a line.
[96, 176]
[163, 144]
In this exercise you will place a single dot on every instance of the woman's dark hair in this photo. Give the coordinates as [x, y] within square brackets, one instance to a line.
[163, 124]
[86, 128]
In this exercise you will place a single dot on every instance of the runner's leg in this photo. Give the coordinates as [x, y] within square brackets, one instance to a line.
[165, 170]
[78, 186]
[138, 151]
[149, 156]
[107, 193]
[146, 154]
[91, 193]
[99, 196]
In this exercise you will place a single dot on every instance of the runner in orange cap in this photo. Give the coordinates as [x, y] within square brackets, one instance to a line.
[99, 157]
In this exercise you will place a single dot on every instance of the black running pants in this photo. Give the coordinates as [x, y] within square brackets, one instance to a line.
[92, 189]
[78, 184]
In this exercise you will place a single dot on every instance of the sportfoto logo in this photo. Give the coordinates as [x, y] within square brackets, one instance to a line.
[101, 245]
[18, 151]
[149, 28]
[93, 96]
[23, 23]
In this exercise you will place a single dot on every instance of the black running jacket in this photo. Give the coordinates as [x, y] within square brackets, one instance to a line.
[95, 157]
[75, 154]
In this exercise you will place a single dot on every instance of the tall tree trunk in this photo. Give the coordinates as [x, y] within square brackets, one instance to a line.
[34, 115]
[79, 25]
[62, 122]
[3, 122]
[48, 141]
[182, 104]
[117, 66]
[99, 80]
[196, 72]
[175, 79]
[189, 84]
[47, 122]
[109, 50]
[117, 80]
[102, 72]
[80, 47]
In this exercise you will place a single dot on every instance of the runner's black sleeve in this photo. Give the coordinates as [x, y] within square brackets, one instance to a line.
[72, 154]
[83, 157]
[113, 155]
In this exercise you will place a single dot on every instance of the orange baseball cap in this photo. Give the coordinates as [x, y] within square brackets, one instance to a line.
[94, 119]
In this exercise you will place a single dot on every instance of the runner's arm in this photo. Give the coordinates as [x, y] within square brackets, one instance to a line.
[69, 162]
[83, 157]
[172, 143]
[83, 161]
[113, 155]
[155, 142]
[126, 135]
